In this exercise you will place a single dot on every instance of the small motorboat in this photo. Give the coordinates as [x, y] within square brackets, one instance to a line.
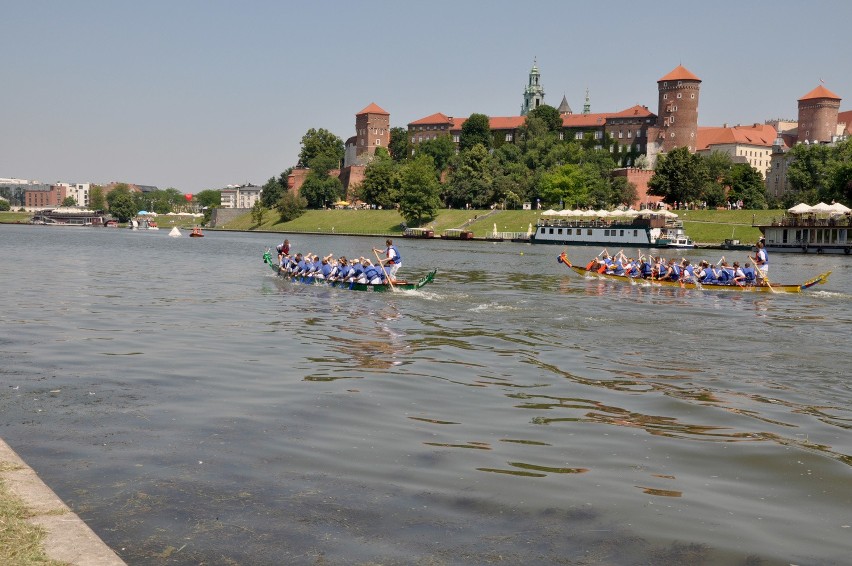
[196, 233]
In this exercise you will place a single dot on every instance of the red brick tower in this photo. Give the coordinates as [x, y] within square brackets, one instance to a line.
[372, 130]
[677, 118]
[818, 115]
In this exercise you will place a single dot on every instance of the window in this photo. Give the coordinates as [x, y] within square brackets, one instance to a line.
[508, 137]
[578, 136]
[679, 83]
[665, 96]
[629, 134]
[678, 95]
[692, 96]
[456, 138]
[620, 134]
[589, 232]
[598, 135]
[561, 136]
[378, 141]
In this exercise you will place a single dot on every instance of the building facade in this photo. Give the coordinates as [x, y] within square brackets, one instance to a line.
[744, 144]
[240, 196]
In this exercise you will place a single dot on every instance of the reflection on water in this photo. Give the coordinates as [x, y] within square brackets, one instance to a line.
[195, 409]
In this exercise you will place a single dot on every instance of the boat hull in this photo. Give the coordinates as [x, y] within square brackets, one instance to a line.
[398, 286]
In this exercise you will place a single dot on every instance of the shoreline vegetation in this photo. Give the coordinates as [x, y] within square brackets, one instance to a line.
[705, 227]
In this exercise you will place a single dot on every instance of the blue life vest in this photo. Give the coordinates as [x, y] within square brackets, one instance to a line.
[397, 257]
[749, 274]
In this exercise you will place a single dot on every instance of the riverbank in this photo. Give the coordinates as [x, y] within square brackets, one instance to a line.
[709, 228]
[36, 527]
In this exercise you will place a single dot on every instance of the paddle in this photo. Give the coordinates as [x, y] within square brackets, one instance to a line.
[385, 270]
[764, 277]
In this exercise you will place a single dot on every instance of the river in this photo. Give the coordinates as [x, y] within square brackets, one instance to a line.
[193, 408]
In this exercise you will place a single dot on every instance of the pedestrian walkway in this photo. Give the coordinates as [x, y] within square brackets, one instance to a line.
[68, 538]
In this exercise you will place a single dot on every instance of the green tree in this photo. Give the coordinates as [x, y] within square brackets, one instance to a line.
[209, 198]
[679, 176]
[274, 188]
[569, 185]
[378, 187]
[257, 212]
[476, 129]
[320, 142]
[291, 206]
[418, 190]
[441, 149]
[4, 205]
[97, 201]
[320, 190]
[69, 201]
[122, 203]
[398, 146]
[548, 115]
[470, 180]
[746, 184]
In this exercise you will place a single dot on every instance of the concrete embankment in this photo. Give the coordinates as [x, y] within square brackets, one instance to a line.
[68, 538]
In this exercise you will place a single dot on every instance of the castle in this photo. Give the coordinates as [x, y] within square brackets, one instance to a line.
[633, 131]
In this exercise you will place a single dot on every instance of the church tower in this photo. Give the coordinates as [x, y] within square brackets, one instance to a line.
[818, 116]
[677, 118]
[534, 93]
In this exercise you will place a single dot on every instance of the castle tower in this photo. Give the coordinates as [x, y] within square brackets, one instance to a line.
[818, 115]
[587, 105]
[534, 93]
[677, 118]
[564, 108]
[372, 130]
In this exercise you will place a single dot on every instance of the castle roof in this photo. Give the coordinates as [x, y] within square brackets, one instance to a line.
[633, 112]
[436, 118]
[762, 135]
[563, 106]
[820, 92]
[373, 108]
[679, 73]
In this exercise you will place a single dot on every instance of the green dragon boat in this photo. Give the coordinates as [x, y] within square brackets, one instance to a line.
[398, 285]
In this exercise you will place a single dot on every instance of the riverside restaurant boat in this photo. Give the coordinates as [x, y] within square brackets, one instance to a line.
[418, 233]
[608, 228]
[768, 287]
[67, 216]
[398, 285]
[821, 229]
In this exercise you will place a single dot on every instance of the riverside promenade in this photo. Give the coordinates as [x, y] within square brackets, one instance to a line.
[68, 539]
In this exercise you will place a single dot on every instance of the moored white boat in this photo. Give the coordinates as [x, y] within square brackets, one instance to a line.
[820, 229]
[654, 230]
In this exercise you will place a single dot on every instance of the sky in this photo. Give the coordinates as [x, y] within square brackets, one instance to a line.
[201, 94]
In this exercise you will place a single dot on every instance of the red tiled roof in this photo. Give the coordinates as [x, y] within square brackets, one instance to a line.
[820, 92]
[637, 111]
[585, 120]
[436, 118]
[679, 73]
[758, 134]
[372, 109]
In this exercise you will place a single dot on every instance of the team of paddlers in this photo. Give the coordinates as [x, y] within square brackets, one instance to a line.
[343, 269]
[660, 269]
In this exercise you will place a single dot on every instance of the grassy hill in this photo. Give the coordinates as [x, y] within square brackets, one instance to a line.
[704, 226]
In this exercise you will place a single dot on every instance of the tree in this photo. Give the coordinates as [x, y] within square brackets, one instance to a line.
[97, 201]
[679, 176]
[69, 201]
[418, 190]
[441, 149]
[321, 190]
[548, 115]
[378, 186]
[746, 184]
[476, 129]
[568, 185]
[122, 203]
[257, 212]
[291, 206]
[320, 142]
[274, 188]
[209, 198]
[398, 146]
[470, 180]
[4, 205]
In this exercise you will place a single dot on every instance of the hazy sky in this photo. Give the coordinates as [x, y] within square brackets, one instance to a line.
[198, 94]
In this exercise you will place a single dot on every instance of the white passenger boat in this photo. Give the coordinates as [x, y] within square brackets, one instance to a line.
[647, 229]
[819, 229]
